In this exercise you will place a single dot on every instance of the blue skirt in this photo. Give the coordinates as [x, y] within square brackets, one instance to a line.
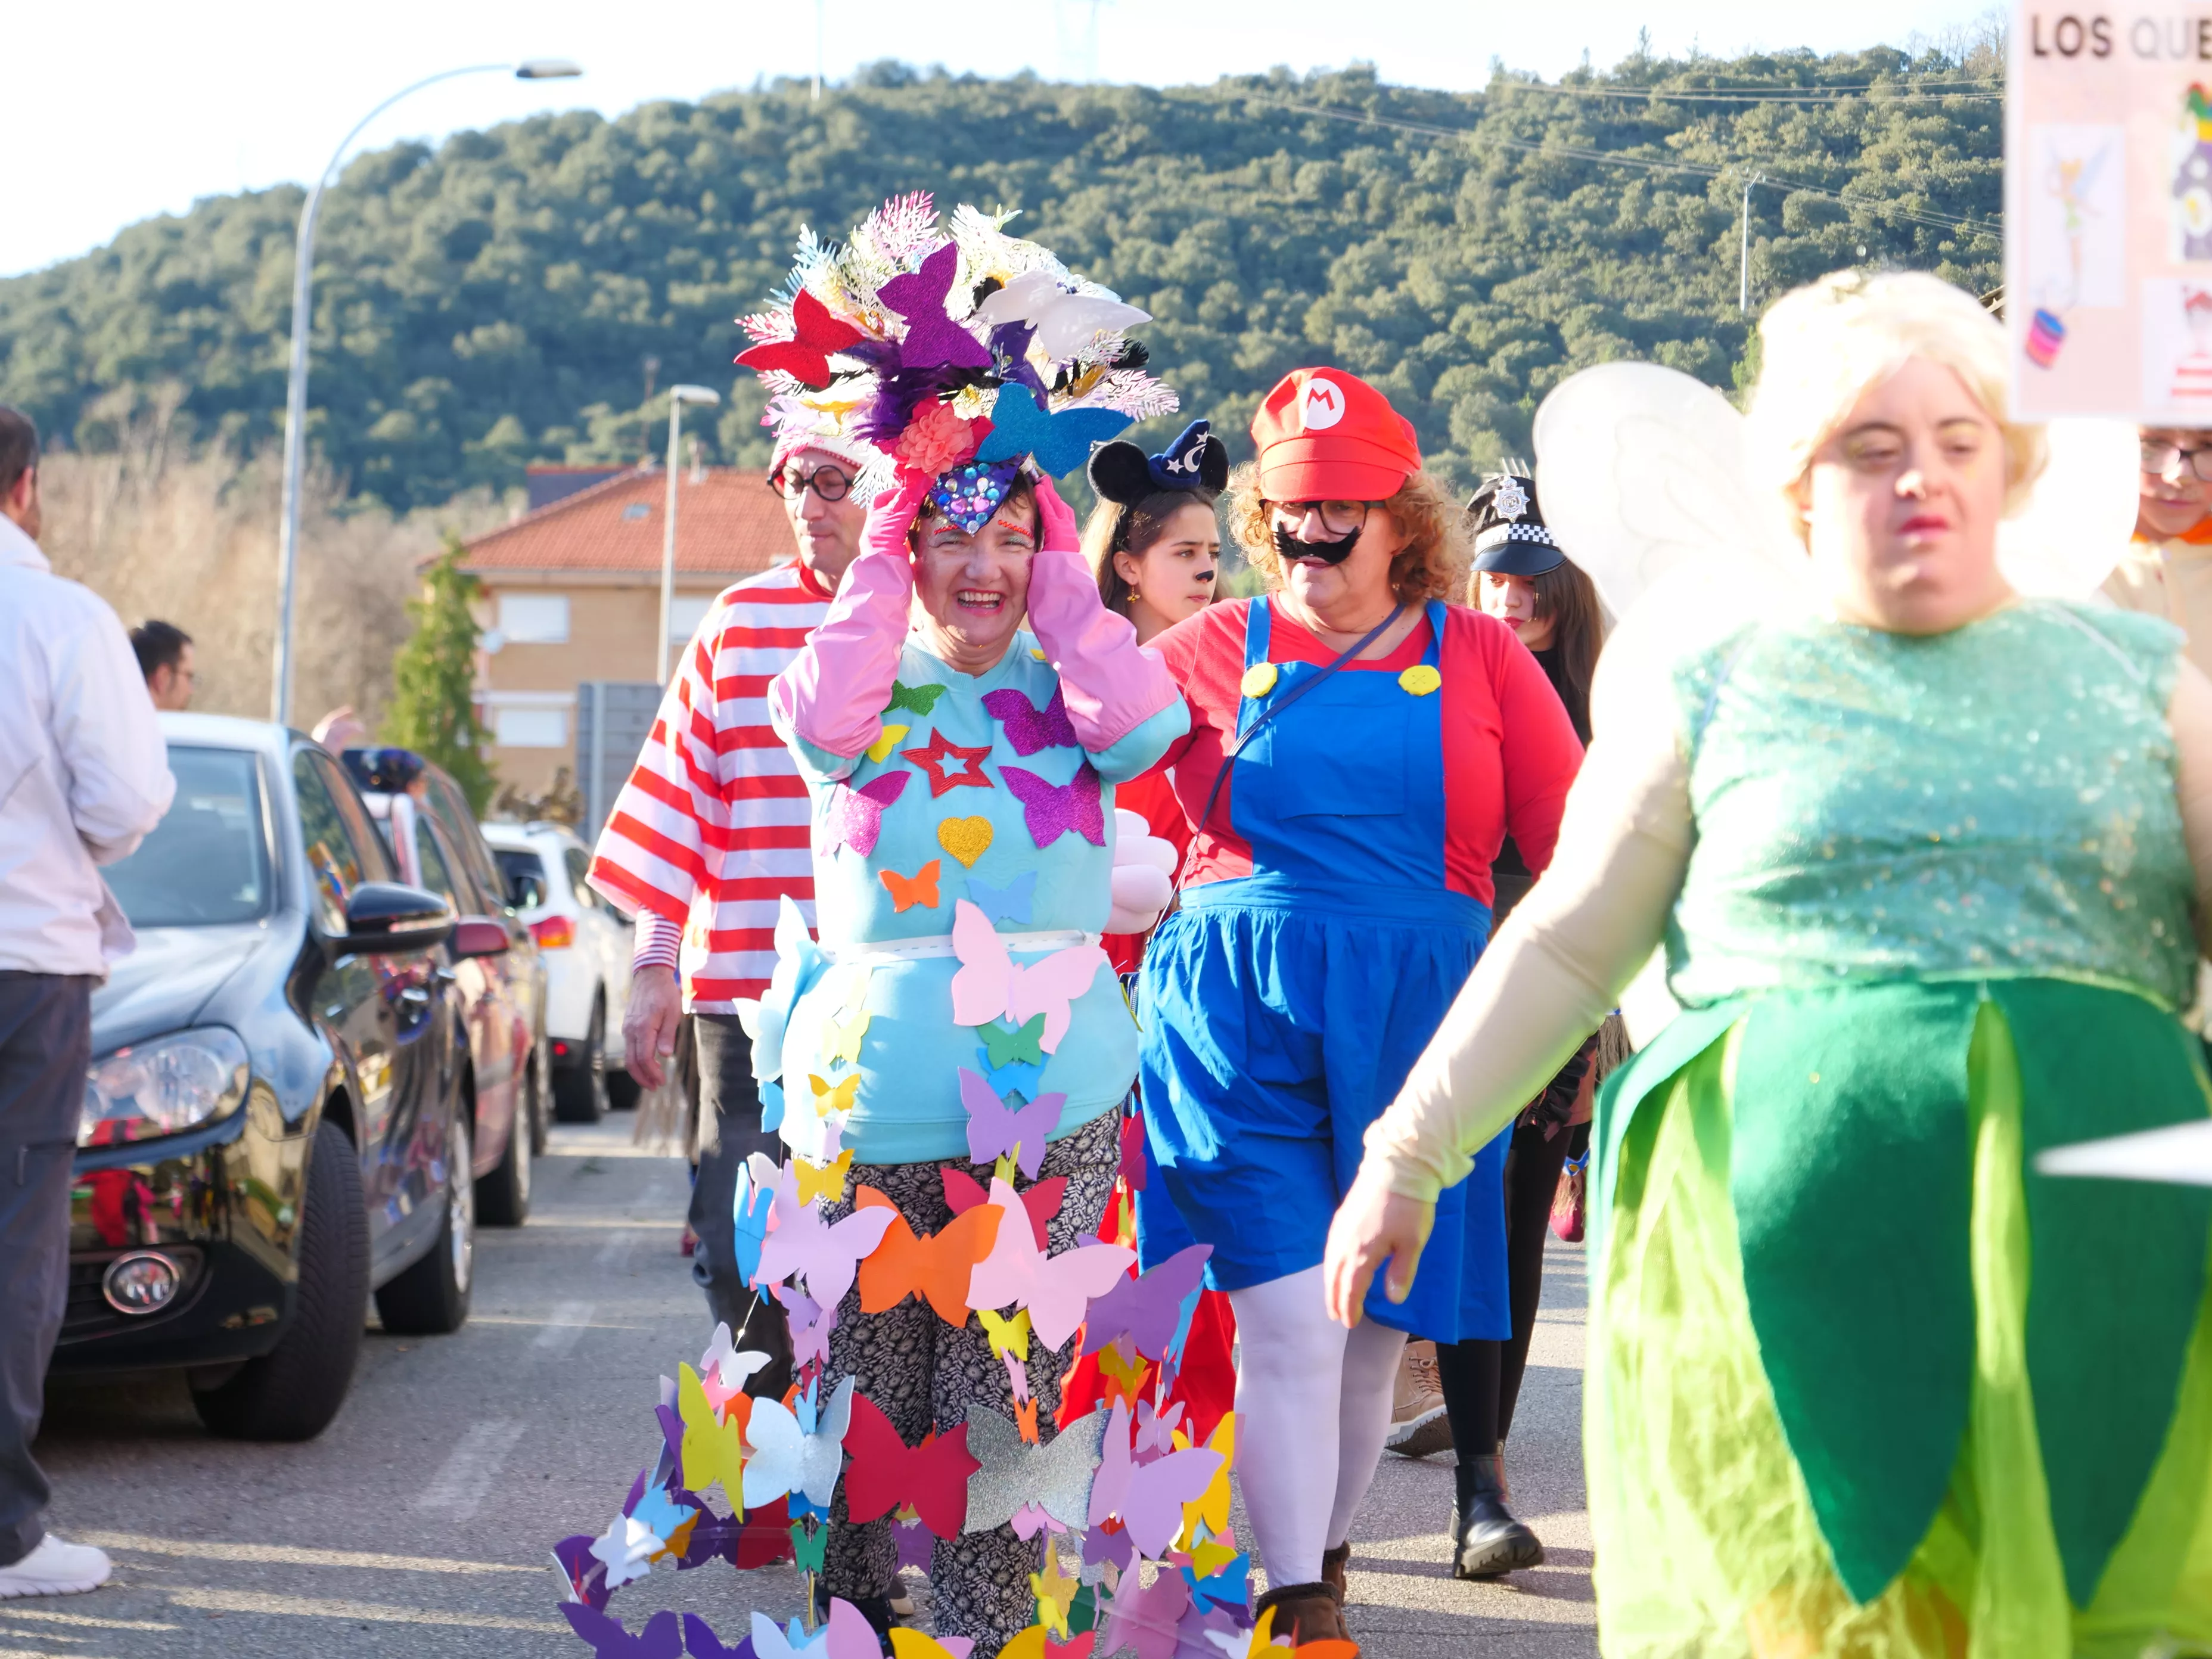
[1278, 1023]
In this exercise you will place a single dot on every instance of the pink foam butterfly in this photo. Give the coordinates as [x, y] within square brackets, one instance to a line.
[1146, 1619]
[1030, 728]
[826, 1256]
[1148, 1496]
[1055, 1289]
[1050, 810]
[811, 1325]
[856, 816]
[932, 338]
[994, 1128]
[990, 985]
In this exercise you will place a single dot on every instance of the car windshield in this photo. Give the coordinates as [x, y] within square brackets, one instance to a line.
[207, 862]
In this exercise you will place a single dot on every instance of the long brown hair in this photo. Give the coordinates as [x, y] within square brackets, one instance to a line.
[1566, 598]
[1113, 528]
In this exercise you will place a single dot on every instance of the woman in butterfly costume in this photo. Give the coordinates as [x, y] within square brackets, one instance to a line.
[1929, 859]
[1384, 742]
[957, 1024]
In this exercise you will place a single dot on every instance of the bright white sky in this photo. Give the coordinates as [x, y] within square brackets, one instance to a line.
[114, 112]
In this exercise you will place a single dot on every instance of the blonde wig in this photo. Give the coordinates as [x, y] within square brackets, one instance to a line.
[1823, 346]
[1432, 564]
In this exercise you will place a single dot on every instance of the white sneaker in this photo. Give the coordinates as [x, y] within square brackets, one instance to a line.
[56, 1568]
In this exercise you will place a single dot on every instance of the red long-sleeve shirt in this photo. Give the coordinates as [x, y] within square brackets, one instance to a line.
[1509, 755]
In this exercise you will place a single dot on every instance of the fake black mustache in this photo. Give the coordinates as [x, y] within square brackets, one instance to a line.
[1335, 552]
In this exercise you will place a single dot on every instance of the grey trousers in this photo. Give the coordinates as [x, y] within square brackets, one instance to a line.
[46, 1043]
[730, 1129]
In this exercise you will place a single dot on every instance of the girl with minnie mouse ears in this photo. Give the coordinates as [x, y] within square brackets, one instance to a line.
[1153, 540]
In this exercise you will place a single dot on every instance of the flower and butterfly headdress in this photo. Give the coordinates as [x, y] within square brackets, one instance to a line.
[959, 353]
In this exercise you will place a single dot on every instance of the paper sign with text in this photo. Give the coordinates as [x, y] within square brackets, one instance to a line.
[2108, 212]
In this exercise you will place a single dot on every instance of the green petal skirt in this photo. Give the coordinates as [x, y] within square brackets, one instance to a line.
[1862, 1383]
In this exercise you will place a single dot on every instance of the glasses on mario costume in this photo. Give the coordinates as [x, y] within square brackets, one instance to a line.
[828, 481]
[2157, 457]
[1338, 518]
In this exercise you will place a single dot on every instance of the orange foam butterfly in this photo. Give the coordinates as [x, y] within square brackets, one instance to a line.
[920, 888]
[936, 1267]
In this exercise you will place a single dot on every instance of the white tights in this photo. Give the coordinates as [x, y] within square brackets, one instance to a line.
[1297, 1372]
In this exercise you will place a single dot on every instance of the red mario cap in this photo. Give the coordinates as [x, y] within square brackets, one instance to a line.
[1324, 435]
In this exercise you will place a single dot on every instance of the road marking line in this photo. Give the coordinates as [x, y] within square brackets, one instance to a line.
[561, 1331]
[458, 1488]
[614, 1252]
[86, 1619]
[286, 1555]
[376, 1612]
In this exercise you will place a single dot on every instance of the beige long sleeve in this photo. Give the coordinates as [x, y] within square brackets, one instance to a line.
[1558, 964]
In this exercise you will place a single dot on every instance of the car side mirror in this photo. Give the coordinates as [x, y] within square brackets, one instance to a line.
[479, 936]
[384, 918]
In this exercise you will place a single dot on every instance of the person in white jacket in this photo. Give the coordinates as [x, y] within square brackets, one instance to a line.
[84, 776]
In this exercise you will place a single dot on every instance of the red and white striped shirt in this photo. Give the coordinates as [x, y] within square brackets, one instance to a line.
[712, 828]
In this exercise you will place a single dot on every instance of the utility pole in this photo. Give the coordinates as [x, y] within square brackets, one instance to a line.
[1743, 268]
[817, 50]
[678, 396]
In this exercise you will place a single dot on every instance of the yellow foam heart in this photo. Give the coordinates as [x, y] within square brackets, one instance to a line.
[1259, 680]
[880, 749]
[1421, 679]
[966, 839]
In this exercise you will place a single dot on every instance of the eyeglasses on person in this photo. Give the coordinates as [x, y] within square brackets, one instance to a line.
[2158, 457]
[1338, 518]
[830, 483]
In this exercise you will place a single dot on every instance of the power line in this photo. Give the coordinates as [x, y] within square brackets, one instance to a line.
[1815, 97]
[1614, 158]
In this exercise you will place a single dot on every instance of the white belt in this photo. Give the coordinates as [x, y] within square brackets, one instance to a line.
[940, 944]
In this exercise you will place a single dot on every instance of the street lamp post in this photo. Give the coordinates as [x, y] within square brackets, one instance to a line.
[295, 396]
[678, 396]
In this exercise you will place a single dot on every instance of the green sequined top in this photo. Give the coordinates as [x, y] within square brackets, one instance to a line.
[1994, 802]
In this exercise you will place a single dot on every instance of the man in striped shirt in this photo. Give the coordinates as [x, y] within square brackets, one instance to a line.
[709, 833]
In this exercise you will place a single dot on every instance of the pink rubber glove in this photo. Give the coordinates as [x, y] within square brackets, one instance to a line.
[1112, 685]
[834, 693]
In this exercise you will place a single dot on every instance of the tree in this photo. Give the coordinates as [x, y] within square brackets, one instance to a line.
[434, 708]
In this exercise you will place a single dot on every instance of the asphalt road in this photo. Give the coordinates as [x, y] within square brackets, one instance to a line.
[419, 1524]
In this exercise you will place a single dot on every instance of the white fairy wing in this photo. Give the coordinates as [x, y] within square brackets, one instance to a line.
[2075, 525]
[1642, 476]
[2179, 1156]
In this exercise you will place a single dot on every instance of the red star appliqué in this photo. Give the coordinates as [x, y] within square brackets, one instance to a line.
[932, 759]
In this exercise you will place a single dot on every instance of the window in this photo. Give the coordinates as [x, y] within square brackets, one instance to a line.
[451, 808]
[534, 619]
[580, 866]
[207, 862]
[530, 728]
[524, 875]
[685, 612]
[432, 862]
[637, 510]
[343, 850]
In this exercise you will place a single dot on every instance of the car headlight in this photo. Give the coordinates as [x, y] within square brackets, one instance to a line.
[163, 1086]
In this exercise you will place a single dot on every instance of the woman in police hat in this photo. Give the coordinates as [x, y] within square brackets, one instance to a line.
[1522, 577]
[1360, 748]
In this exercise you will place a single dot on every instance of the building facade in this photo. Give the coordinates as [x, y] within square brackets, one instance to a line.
[572, 592]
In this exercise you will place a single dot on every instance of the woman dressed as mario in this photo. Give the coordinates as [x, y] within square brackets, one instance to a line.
[1359, 750]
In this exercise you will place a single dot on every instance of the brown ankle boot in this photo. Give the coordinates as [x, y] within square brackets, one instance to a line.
[1332, 1564]
[1307, 1613]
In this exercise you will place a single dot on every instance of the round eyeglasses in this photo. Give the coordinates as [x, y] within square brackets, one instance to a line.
[830, 483]
[2158, 458]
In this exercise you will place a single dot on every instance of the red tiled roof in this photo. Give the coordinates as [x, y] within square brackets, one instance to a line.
[727, 523]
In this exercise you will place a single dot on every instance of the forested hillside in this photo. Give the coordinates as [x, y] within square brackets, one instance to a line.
[503, 297]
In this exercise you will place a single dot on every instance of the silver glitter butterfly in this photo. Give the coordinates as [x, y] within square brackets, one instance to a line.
[1055, 1476]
